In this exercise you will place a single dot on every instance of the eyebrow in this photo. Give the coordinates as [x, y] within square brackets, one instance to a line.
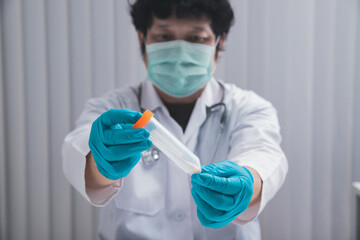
[197, 28]
[163, 25]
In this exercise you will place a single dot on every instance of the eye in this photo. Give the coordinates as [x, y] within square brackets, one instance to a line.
[196, 39]
[164, 37]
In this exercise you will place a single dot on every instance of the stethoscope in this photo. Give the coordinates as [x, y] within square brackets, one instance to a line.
[152, 155]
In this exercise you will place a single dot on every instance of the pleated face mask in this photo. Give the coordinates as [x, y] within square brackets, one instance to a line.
[179, 68]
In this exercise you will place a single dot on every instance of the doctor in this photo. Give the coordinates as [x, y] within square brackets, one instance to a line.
[234, 132]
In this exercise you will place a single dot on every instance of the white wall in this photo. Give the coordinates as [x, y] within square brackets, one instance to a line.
[302, 55]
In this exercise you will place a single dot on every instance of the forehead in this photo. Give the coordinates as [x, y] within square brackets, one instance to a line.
[200, 23]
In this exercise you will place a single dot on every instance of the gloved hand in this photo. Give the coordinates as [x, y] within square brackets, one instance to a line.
[221, 192]
[115, 146]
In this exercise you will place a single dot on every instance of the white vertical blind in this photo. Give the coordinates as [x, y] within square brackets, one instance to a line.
[303, 56]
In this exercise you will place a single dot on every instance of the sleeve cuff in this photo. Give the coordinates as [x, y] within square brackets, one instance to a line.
[74, 151]
[249, 215]
[101, 197]
[272, 168]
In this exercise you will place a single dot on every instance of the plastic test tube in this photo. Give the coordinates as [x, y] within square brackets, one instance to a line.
[169, 144]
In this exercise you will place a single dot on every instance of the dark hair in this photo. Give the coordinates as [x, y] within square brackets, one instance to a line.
[219, 12]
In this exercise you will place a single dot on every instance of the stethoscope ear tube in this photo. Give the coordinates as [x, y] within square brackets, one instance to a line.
[211, 110]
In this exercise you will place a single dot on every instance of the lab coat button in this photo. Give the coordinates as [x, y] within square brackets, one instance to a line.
[179, 216]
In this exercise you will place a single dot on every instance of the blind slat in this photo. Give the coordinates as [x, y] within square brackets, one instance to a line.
[14, 119]
[236, 47]
[343, 107]
[80, 56]
[3, 193]
[59, 116]
[103, 66]
[37, 122]
[324, 30]
[80, 89]
[299, 116]
[277, 46]
[256, 42]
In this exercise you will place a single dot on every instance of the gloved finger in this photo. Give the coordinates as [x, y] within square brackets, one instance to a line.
[215, 215]
[128, 164]
[216, 200]
[123, 126]
[203, 220]
[229, 186]
[127, 126]
[208, 223]
[123, 151]
[119, 152]
[213, 224]
[101, 163]
[208, 211]
[124, 136]
[243, 199]
[119, 116]
[118, 169]
[222, 169]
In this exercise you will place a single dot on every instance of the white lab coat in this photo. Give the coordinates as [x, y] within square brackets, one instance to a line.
[155, 202]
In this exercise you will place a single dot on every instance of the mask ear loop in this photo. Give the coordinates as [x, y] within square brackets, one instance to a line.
[216, 45]
[217, 41]
[144, 41]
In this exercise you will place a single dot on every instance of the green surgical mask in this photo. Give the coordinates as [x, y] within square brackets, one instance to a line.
[179, 68]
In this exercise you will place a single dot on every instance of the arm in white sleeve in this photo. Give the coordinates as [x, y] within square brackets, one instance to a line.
[255, 143]
[75, 149]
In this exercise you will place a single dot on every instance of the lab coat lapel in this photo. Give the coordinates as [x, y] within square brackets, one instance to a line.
[209, 97]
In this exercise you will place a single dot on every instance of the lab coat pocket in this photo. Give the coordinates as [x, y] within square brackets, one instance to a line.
[143, 189]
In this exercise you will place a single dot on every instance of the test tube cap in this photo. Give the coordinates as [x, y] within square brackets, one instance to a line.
[145, 118]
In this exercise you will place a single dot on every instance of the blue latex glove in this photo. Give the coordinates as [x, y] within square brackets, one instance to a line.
[115, 146]
[221, 192]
